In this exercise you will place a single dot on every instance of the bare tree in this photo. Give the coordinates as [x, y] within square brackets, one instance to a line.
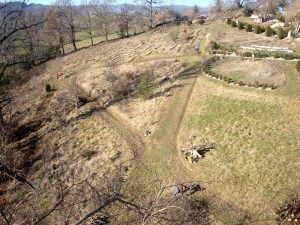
[103, 10]
[293, 14]
[196, 10]
[14, 20]
[55, 26]
[111, 73]
[125, 18]
[236, 3]
[86, 19]
[149, 9]
[217, 6]
[269, 6]
[67, 13]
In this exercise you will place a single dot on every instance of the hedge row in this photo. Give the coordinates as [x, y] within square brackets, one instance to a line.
[207, 69]
[258, 54]
[281, 33]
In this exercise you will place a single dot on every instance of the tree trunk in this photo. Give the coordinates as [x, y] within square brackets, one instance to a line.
[90, 28]
[297, 26]
[151, 15]
[61, 41]
[73, 39]
[106, 32]
[92, 39]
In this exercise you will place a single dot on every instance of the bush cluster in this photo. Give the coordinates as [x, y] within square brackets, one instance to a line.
[281, 33]
[214, 45]
[247, 12]
[233, 24]
[257, 29]
[177, 23]
[248, 28]
[48, 88]
[228, 21]
[241, 25]
[189, 22]
[145, 88]
[201, 22]
[269, 31]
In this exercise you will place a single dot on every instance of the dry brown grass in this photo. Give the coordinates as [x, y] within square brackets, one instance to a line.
[249, 71]
[250, 177]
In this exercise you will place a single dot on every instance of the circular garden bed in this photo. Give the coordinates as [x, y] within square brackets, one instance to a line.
[246, 72]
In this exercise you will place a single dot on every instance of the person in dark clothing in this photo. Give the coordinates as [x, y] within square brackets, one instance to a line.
[179, 188]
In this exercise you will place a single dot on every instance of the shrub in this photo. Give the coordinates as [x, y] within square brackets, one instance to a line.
[82, 100]
[277, 55]
[173, 35]
[189, 22]
[298, 66]
[247, 54]
[228, 21]
[145, 89]
[241, 83]
[257, 29]
[248, 28]
[281, 33]
[268, 31]
[241, 25]
[177, 23]
[288, 56]
[48, 88]
[214, 45]
[233, 24]
[201, 22]
[280, 17]
[247, 11]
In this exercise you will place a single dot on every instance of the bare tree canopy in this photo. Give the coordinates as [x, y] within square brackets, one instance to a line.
[68, 13]
[103, 9]
[293, 14]
[217, 6]
[236, 3]
[15, 20]
[149, 8]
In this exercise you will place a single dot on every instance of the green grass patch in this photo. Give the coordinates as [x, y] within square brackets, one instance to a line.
[292, 86]
[257, 151]
[235, 76]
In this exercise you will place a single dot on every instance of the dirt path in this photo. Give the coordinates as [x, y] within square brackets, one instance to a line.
[43, 106]
[134, 140]
[182, 115]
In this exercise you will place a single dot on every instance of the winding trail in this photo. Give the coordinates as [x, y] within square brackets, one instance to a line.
[134, 140]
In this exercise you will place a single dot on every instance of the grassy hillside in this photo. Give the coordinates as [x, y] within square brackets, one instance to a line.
[250, 174]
